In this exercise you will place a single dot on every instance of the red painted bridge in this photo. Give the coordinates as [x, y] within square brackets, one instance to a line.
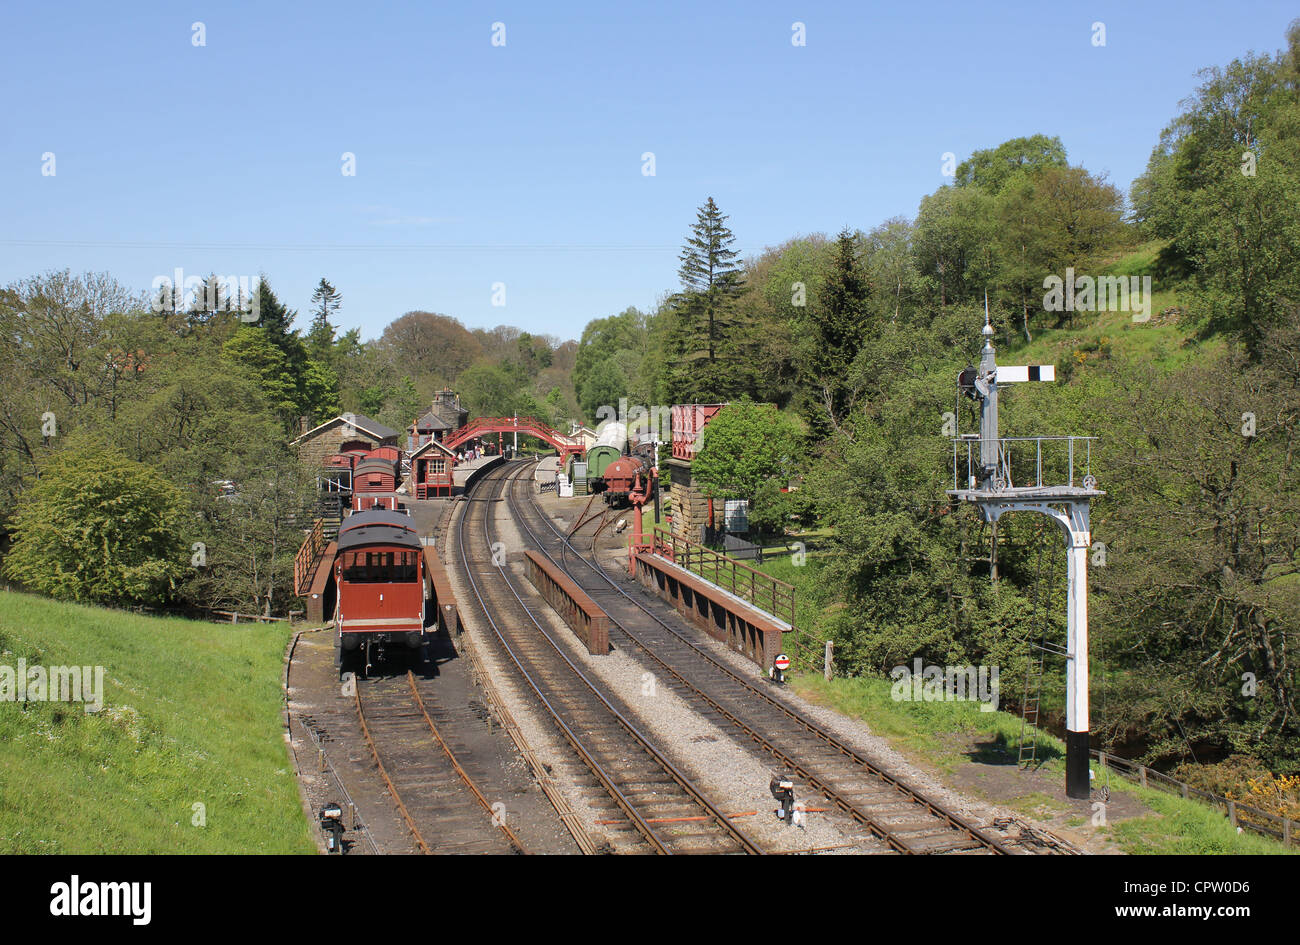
[529, 426]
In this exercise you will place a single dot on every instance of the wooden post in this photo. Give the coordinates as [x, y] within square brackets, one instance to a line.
[828, 668]
[1232, 812]
[1142, 775]
[1286, 831]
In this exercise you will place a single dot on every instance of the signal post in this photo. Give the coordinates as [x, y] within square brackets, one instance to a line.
[1005, 474]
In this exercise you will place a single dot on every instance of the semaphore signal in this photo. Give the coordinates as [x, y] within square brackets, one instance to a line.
[1005, 474]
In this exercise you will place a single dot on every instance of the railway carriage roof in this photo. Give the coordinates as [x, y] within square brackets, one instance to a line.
[378, 527]
[379, 535]
[377, 517]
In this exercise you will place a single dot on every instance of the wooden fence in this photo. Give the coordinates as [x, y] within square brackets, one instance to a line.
[1241, 816]
[304, 562]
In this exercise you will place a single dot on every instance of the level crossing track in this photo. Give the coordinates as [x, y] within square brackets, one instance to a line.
[665, 811]
[902, 816]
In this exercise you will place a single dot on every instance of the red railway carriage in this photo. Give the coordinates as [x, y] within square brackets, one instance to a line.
[380, 574]
[374, 474]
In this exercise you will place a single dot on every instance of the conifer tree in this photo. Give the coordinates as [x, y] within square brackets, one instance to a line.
[320, 337]
[832, 336]
[705, 310]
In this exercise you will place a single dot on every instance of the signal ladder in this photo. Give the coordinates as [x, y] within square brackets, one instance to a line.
[1031, 704]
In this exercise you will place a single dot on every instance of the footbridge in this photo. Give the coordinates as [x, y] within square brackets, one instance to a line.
[529, 426]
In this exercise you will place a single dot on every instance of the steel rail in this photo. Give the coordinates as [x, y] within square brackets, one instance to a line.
[515, 842]
[501, 479]
[661, 760]
[582, 520]
[392, 788]
[883, 832]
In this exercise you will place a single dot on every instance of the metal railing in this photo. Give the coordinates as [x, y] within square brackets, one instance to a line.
[342, 482]
[1022, 460]
[762, 590]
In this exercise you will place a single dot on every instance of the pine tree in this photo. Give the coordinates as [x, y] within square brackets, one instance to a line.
[709, 271]
[320, 338]
[832, 335]
[272, 314]
[283, 372]
[705, 315]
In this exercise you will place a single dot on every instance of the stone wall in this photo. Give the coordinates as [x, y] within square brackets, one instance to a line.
[690, 507]
[326, 443]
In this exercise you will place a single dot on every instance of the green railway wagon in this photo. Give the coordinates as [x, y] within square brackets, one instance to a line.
[599, 457]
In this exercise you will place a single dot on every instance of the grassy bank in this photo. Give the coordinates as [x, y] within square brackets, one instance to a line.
[187, 754]
[940, 735]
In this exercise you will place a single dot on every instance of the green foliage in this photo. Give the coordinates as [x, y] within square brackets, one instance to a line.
[1202, 560]
[1220, 189]
[253, 350]
[98, 527]
[991, 169]
[733, 462]
[192, 715]
[604, 386]
[830, 332]
[495, 391]
[610, 354]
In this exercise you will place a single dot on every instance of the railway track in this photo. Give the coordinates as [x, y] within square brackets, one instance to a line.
[903, 817]
[653, 806]
[439, 800]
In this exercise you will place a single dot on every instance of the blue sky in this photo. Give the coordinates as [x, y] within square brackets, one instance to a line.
[522, 164]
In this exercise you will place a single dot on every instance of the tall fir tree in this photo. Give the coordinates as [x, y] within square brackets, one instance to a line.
[832, 335]
[320, 337]
[274, 327]
[705, 312]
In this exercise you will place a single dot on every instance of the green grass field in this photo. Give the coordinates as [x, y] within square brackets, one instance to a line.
[918, 729]
[186, 756]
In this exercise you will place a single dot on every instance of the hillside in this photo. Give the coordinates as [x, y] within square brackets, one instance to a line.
[191, 716]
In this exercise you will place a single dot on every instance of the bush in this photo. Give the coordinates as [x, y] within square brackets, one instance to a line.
[98, 527]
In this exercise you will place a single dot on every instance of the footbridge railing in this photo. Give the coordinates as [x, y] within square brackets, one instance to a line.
[529, 426]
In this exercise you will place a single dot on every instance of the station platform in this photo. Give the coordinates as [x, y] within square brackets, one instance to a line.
[464, 472]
